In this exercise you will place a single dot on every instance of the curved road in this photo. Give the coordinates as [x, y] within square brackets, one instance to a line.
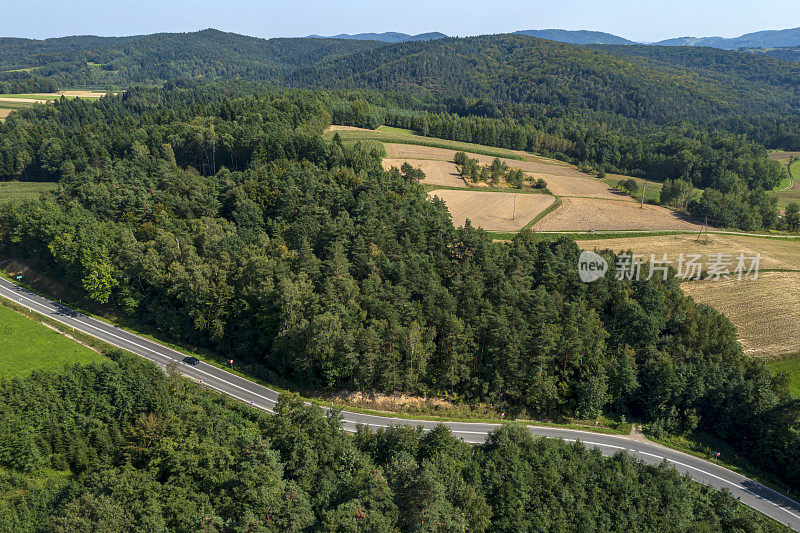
[757, 496]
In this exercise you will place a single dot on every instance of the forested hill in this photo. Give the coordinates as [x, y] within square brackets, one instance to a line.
[165, 56]
[662, 85]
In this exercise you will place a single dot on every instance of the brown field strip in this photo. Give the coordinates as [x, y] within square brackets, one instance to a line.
[776, 254]
[493, 211]
[587, 214]
[765, 311]
[22, 100]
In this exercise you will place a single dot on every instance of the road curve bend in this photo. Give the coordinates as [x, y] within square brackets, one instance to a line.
[763, 499]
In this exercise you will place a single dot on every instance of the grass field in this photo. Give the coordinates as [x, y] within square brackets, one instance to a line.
[348, 133]
[26, 345]
[789, 189]
[496, 211]
[652, 189]
[792, 366]
[765, 311]
[401, 131]
[24, 190]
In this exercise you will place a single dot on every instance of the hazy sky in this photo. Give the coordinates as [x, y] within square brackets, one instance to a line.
[641, 20]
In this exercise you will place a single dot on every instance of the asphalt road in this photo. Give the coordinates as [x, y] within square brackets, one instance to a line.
[757, 496]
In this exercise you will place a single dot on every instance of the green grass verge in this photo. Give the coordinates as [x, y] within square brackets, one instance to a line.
[28, 345]
[16, 105]
[703, 446]
[416, 140]
[401, 131]
[24, 190]
[792, 366]
[32, 96]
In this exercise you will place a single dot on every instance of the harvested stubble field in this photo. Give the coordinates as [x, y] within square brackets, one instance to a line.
[765, 311]
[776, 254]
[562, 180]
[493, 211]
[436, 172]
[587, 214]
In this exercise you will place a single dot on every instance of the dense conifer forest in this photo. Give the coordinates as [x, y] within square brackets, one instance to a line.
[216, 214]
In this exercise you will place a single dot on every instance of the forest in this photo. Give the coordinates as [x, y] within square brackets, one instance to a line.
[216, 214]
[700, 115]
[120, 446]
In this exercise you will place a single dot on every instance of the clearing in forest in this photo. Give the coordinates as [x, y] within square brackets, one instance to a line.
[494, 211]
[765, 311]
[592, 214]
[24, 190]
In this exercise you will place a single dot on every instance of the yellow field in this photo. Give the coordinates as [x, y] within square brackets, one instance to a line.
[765, 311]
[493, 211]
[11, 102]
[775, 253]
[591, 214]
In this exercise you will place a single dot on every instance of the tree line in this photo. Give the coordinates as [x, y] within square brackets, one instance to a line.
[120, 446]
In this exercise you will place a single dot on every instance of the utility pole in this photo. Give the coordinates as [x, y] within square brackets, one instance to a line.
[644, 188]
[704, 228]
[514, 211]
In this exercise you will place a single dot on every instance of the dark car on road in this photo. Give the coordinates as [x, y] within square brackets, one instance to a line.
[191, 360]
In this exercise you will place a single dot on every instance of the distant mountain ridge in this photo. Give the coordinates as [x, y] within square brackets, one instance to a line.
[759, 39]
[386, 37]
[576, 36]
[766, 39]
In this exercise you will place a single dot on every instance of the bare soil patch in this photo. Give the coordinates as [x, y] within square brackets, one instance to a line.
[765, 311]
[493, 210]
[586, 214]
[436, 172]
[5, 112]
[775, 253]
